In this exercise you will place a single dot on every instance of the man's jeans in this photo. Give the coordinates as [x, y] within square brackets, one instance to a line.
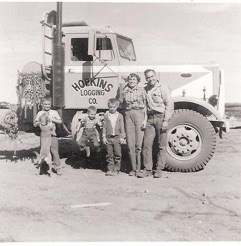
[154, 126]
[134, 135]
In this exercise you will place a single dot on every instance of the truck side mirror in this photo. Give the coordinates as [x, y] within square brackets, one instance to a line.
[91, 43]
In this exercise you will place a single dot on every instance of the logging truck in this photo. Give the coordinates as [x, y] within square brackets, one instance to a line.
[84, 65]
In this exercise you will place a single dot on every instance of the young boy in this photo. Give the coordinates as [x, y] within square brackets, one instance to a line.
[113, 136]
[90, 132]
[45, 119]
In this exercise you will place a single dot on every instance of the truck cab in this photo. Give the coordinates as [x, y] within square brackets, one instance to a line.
[92, 61]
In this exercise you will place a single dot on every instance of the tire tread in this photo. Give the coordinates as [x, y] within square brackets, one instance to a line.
[211, 138]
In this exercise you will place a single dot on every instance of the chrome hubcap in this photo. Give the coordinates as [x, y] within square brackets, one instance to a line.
[184, 142]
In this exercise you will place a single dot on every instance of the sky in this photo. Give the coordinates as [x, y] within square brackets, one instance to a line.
[163, 34]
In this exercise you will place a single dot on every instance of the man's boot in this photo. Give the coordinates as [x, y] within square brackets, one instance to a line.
[158, 173]
[144, 174]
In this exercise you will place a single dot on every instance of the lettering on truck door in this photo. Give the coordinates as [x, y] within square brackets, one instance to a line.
[89, 80]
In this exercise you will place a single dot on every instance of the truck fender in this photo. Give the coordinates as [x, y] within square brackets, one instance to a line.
[197, 105]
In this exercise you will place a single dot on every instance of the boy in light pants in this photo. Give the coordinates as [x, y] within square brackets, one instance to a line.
[113, 136]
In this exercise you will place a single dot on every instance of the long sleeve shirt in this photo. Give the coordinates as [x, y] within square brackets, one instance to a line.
[159, 100]
[113, 125]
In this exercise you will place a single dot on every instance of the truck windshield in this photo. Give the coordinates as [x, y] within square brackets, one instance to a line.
[126, 48]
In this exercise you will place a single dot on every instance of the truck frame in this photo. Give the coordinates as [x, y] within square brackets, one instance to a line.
[87, 66]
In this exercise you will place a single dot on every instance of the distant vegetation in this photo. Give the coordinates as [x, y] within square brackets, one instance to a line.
[233, 110]
[232, 105]
[6, 105]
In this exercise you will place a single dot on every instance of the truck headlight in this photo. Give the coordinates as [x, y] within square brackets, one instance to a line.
[213, 100]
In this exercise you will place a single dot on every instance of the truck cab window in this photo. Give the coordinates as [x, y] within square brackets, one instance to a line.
[126, 48]
[79, 50]
[104, 49]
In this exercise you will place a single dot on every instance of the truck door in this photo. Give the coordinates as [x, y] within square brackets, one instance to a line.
[90, 79]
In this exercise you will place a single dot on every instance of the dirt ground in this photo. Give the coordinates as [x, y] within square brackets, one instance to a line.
[85, 205]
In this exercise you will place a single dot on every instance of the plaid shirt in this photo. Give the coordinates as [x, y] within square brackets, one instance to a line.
[133, 98]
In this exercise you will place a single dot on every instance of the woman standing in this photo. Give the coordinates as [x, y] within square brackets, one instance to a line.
[133, 102]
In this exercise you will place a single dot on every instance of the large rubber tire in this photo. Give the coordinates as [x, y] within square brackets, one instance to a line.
[191, 141]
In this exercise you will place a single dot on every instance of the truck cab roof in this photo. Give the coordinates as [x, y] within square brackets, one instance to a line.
[82, 27]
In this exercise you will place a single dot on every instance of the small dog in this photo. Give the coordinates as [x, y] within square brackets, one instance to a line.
[42, 164]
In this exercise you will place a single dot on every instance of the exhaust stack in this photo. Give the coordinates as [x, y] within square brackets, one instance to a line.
[58, 62]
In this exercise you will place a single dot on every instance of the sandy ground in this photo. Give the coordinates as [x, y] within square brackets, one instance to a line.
[85, 205]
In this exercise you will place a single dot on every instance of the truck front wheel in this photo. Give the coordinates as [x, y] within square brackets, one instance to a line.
[191, 141]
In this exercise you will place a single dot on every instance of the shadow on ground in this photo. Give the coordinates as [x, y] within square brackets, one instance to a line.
[22, 155]
[77, 159]
[69, 150]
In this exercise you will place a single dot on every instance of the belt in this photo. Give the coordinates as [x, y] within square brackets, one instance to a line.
[135, 108]
[154, 113]
[112, 136]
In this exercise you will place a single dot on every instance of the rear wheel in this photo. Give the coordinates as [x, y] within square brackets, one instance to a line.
[191, 141]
